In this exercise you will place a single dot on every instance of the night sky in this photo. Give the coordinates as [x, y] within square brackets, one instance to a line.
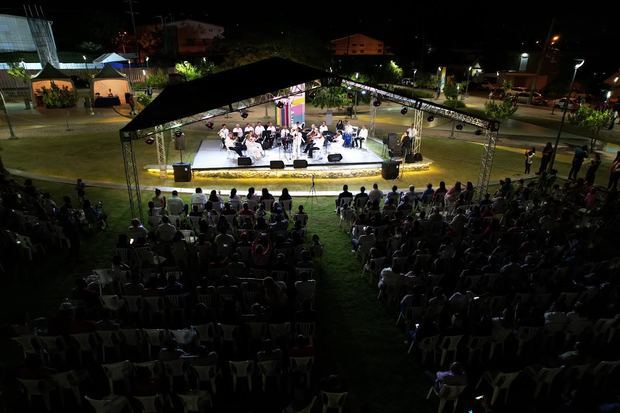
[409, 29]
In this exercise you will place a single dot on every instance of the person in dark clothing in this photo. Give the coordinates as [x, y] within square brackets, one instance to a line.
[592, 168]
[581, 153]
[344, 194]
[547, 152]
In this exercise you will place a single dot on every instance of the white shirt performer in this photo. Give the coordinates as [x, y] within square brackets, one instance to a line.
[259, 129]
[362, 135]
[297, 140]
[223, 133]
[271, 128]
[238, 131]
[323, 128]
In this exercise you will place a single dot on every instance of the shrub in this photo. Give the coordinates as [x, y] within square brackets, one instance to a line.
[450, 103]
[56, 97]
[158, 79]
[144, 99]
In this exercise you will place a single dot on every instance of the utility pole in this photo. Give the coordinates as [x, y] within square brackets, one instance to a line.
[133, 25]
[8, 118]
[540, 61]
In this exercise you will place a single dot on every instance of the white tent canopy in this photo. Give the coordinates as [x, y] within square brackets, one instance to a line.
[109, 58]
[109, 82]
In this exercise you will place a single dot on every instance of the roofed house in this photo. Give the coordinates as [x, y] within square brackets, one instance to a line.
[358, 45]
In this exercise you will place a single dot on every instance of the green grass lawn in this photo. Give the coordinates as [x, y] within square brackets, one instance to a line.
[97, 157]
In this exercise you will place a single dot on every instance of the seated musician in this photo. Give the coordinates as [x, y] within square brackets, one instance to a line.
[238, 131]
[309, 142]
[231, 143]
[337, 139]
[362, 135]
[285, 137]
[323, 128]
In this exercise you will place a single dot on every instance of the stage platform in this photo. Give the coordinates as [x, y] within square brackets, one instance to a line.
[211, 156]
[213, 161]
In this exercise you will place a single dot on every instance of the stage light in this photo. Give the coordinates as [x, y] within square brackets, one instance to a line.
[430, 118]
[244, 114]
[280, 105]
[209, 125]
[150, 140]
[376, 103]
[478, 132]
[178, 133]
[404, 110]
[459, 126]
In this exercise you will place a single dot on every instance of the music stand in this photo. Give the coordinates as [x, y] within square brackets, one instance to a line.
[312, 193]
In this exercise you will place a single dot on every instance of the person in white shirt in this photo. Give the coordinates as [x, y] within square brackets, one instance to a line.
[337, 140]
[412, 132]
[223, 133]
[198, 197]
[362, 135]
[323, 128]
[166, 231]
[258, 130]
[297, 141]
[375, 194]
[255, 150]
[284, 136]
[238, 131]
[319, 143]
[231, 143]
[137, 231]
[271, 128]
[295, 127]
[175, 204]
[248, 128]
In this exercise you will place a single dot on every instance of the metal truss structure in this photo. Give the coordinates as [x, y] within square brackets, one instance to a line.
[420, 107]
[418, 121]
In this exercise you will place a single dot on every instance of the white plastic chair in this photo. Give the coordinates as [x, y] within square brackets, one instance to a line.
[280, 332]
[307, 329]
[545, 377]
[155, 337]
[475, 346]
[40, 388]
[85, 342]
[54, 346]
[333, 401]
[193, 402]
[270, 368]
[68, 381]
[502, 381]
[241, 369]
[206, 333]
[120, 371]
[116, 404]
[207, 373]
[446, 393]
[174, 369]
[449, 344]
[30, 344]
[286, 205]
[109, 340]
[304, 366]
[150, 404]
[153, 367]
[306, 409]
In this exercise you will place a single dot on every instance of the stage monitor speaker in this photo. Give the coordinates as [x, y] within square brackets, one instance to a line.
[334, 157]
[300, 163]
[409, 158]
[417, 157]
[390, 169]
[182, 172]
[244, 161]
[276, 165]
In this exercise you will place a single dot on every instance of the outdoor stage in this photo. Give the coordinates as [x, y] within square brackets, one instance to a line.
[211, 160]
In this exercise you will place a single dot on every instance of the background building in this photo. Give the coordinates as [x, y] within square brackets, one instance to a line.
[28, 34]
[358, 45]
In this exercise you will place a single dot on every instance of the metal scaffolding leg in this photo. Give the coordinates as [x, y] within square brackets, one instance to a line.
[486, 163]
[418, 121]
[373, 116]
[160, 143]
[131, 175]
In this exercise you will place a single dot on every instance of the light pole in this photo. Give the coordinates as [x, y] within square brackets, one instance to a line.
[354, 115]
[147, 62]
[566, 103]
[467, 82]
[8, 119]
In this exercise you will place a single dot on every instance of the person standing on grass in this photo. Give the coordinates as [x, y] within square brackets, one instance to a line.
[547, 152]
[581, 152]
[80, 188]
[592, 168]
[529, 159]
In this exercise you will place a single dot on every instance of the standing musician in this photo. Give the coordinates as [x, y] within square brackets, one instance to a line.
[285, 136]
[405, 144]
[223, 134]
[297, 141]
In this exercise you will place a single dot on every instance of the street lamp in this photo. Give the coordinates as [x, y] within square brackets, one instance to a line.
[147, 62]
[467, 82]
[566, 102]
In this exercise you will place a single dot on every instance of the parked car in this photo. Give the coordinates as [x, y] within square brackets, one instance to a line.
[497, 93]
[560, 103]
[537, 98]
[406, 81]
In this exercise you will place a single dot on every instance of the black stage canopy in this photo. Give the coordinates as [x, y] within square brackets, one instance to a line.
[220, 89]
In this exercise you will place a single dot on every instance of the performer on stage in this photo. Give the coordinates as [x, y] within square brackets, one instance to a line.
[323, 128]
[295, 127]
[248, 128]
[412, 132]
[362, 135]
[232, 144]
[238, 131]
[405, 143]
[223, 134]
[319, 143]
[255, 150]
[258, 130]
[271, 128]
[285, 137]
[297, 141]
[348, 134]
[337, 140]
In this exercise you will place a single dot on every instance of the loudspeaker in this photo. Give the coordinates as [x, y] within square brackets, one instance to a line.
[300, 163]
[276, 165]
[244, 161]
[410, 158]
[182, 172]
[417, 157]
[390, 169]
[334, 157]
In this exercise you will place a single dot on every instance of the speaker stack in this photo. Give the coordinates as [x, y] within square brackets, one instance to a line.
[276, 165]
[334, 157]
[300, 163]
[244, 161]
[390, 169]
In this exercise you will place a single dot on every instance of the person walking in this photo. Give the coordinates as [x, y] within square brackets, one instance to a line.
[614, 174]
[581, 152]
[592, 168]
[529, 159]
[546, 158]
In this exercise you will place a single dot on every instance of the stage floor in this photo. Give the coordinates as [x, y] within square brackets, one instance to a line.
[211, 156]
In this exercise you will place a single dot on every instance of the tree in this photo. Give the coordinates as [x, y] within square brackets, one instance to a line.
[499, 111]
[591, 119]
[188, 70]
[19, 71]
[451, 91]
[330, 97]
